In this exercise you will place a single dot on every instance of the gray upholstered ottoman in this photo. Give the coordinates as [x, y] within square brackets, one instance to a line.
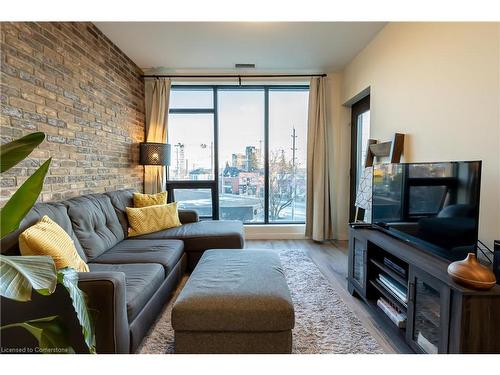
[236, 301]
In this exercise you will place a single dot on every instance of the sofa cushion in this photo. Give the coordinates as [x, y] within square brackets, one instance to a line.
[203, 235]
[235, 290]
[47, 238]
[121, 199]
[55, 211]
[95, 223]
[145, 200]
[152, 219]
[141, 282]
[167, 253]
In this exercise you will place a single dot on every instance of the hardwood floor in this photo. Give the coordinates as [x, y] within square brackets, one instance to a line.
[331, 259]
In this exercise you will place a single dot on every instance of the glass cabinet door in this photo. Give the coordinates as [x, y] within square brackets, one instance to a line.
[358, 263]
[429, 313]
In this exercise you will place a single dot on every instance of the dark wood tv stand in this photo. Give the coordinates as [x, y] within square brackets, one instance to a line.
[442, 316]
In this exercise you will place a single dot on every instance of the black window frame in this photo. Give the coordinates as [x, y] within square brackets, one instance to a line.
[213, 185]
[357, 109]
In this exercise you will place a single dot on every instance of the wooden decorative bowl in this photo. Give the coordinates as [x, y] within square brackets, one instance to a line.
[471, 274]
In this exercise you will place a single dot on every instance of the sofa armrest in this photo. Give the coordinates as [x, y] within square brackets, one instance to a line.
[106, 299]
[105, 293]
[188, 216]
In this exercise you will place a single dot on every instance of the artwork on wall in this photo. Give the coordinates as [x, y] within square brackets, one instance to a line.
[364, 194]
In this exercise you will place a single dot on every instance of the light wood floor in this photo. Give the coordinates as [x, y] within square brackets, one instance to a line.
[331, 259]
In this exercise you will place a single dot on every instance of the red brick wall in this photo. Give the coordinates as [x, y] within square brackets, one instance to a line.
[69, 81]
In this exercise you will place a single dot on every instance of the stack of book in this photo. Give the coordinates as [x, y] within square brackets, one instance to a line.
[396, 289]
[395, 267]
[396, 316]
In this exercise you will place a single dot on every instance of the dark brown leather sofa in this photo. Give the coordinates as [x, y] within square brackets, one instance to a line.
[130, 279]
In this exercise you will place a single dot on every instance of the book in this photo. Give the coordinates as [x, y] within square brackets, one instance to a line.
[397, 317]
[398, 297]
[393, 286]
[393, 283]
[395, 267]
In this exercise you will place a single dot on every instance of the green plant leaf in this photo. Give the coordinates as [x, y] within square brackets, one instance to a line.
[19, 275]
[50, 333]
[69, 278]
[13, 152]
[23, 199]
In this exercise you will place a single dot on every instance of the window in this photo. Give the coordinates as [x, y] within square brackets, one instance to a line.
[239, 152]
[192, 140]
[287, 155]
[363, 129]
[241, 156]
[360, 134]
[199, 200]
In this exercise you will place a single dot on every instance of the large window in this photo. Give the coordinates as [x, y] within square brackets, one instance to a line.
[241, 156]
[287, 155]
[239, 152]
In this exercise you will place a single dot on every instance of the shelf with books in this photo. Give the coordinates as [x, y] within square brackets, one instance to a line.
[397, 335]
[388, 294]
[399, 290]
[397, 316]
[390, 272]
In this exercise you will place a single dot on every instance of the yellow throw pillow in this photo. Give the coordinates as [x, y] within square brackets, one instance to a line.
[47, 238]
[152, 219]
[145, 200]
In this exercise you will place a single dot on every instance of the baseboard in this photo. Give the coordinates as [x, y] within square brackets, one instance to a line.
[275, 232]
[275, 236]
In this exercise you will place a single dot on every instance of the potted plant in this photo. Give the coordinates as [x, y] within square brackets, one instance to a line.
[19, 275]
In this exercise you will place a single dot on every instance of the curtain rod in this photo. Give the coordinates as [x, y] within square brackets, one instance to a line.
[231, 75]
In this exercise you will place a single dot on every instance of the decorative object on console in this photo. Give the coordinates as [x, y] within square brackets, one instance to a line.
[470, 273]
[391, 150]
[364, 195]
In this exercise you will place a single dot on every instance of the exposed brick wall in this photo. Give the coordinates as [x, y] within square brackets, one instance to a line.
[69, 81]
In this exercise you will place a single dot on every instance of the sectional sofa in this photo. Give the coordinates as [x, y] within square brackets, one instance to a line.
[130, 279]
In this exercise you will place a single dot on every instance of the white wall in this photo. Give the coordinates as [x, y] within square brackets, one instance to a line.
[440, 84]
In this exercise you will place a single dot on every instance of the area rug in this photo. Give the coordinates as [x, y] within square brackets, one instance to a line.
[323, 322]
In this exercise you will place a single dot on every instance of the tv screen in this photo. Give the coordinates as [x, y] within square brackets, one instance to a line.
[433, 205]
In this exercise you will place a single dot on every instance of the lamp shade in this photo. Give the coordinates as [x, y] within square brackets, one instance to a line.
[154, 153]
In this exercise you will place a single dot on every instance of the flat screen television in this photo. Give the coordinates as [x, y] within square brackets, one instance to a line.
[432, 205]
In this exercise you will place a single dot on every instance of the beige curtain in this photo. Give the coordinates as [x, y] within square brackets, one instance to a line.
[318, 211]
[157, 94]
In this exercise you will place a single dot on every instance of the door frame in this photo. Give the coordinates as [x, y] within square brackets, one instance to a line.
[358, 108]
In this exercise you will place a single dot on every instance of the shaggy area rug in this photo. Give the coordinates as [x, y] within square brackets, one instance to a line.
[323, 322]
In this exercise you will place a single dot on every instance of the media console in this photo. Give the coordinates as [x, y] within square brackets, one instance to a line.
[416, 302]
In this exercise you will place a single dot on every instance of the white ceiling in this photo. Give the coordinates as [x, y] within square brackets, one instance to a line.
[217, 46]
